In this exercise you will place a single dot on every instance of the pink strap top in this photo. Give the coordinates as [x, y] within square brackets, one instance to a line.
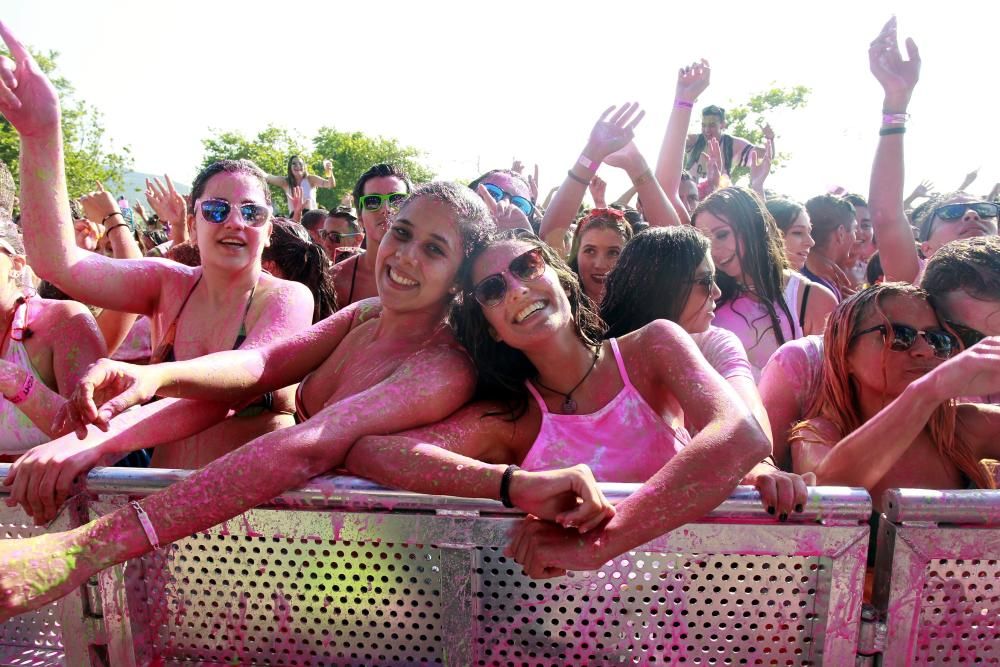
[624, 441]
[18, 433]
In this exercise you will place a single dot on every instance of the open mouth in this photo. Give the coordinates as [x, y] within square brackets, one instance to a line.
[599, 277]
[233, 243]
[528, 311]
[400, 280]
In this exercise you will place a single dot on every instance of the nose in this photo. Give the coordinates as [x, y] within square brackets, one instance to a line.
[516, 290]
[715, 292]
[810, 241]
[970, 216]
[921, 348]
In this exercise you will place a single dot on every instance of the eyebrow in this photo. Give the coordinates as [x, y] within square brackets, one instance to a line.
[441, 239]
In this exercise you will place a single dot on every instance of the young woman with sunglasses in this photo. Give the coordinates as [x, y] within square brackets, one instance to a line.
[763, 301]
[298, 176]
[946, 218]
[887, 417]
[225, 303]
[377, 194]
[553, 394]
[667, 273]
[45, 346]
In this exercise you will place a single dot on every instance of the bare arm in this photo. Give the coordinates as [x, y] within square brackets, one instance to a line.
[885, 197]
[327, 180]
[658, 211]
[612, 131]
[691, 82]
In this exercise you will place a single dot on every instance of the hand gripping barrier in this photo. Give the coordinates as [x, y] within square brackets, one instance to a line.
[342, 572]
[937, 587]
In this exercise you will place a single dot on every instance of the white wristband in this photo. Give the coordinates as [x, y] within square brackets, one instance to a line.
[147, 525]
[587, 163]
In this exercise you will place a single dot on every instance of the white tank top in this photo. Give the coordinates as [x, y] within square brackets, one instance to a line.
[18, 434]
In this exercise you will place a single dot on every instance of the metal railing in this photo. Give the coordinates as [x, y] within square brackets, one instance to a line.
[342, 572]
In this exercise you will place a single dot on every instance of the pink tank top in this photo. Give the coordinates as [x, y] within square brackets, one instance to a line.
[625, 441]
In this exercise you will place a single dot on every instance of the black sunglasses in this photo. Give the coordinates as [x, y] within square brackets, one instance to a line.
[967, 335]
[952, 212]
[706, 281]
[336, 237]
[904, 336]
[217, 212]
[491, 290]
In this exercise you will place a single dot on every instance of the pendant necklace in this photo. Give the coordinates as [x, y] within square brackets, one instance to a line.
[569, 405]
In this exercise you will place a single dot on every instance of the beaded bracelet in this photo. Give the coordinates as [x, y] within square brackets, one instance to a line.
[120, 224]
[643, 177]
[885, 131]
[508, 474]
[576, 178]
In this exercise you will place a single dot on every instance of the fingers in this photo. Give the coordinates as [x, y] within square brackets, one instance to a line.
[100, 186]
[170, 185]
[487, 198]
[635, 121]
[800, 493]
[607, 112]
[768, 491]
[785, 501]
[912, 53]
[8, 73]
[14, 45]
[809, 479]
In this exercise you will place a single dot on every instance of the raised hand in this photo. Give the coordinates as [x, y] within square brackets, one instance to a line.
[613, 130]
[27, 98]
[107, 389]
[923, 190]
[768, 133]
[969, 178]
[692, 80]
[533, 184]
[897, 76]
[517, 166]
[165, 201]
[760, 169]
[298, 201]
[505, 214]
[98, 204]
[973, 372]
[598, 188]
[139, 209]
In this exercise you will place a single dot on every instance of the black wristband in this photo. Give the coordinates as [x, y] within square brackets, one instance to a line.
[577, 178]
[111, 215]
[886, 131]
[508, 474]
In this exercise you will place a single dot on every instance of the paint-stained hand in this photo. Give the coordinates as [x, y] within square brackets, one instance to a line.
[45, 476]
[27, 98]
[781, 492]
[569, 496]
[545, 550]
[107, 389]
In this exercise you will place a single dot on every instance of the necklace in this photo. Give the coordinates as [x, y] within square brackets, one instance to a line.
[569, 405]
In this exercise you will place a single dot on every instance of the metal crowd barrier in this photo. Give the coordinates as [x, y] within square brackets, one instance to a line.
[342, 572]
[937, 589]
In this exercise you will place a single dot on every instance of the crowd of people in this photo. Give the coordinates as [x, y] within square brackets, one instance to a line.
[475, 341]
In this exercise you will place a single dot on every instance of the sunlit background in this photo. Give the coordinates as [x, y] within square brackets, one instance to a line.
[477, 84]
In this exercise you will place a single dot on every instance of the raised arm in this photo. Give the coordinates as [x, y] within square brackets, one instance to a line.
[658, 211]
[169, 206]
[729, 443]
[898, 77]
[327, 180]
[612, 131]
[691, 82]
[28, 100]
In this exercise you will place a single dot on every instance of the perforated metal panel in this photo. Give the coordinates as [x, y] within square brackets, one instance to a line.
[233, 599]
[34, 638]
[647, 608]
[960, 613]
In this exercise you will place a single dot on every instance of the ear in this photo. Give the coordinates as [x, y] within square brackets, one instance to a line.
[268, 228]
[494, 335]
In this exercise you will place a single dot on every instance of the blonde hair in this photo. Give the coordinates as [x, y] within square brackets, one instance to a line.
[837, 402]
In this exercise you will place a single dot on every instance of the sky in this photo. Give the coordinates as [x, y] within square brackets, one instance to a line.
[476, 85]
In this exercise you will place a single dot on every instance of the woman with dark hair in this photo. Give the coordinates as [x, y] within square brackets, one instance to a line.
[887, 415]
[600, 236]
[298, 176]
[796, 230]
[763, 301]
[553, 394]
[292, 255]
[667, 273]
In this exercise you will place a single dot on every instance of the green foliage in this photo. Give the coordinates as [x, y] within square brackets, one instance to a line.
[748, 119]
[352, 154]
[88, 157]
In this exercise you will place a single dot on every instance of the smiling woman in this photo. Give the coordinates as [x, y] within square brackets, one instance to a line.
[600, 237]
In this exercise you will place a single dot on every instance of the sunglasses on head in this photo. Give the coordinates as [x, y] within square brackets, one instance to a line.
[336, 237]
[374, 202]
[217, 212]
[491, 290]
[967, 335]
[904, 336]
[500, 194]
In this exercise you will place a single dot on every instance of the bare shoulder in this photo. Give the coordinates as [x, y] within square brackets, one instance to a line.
[346, 265]
[52, 318]
[817, 430]
[656, 338]
[978, 424]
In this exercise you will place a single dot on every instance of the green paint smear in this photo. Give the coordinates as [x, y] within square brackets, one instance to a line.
[69, 558]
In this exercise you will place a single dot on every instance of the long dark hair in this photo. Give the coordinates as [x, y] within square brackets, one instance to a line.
[597, 218]
[502, 369]
[289, 178]
[762, 252]
[304, 262]
[652, 279]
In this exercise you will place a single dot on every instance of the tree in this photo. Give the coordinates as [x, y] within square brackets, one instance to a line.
[88, 155]
[747, 120]
[270, 150]
[353, 153]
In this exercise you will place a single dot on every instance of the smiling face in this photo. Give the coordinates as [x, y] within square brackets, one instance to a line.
[531, 310]
[231, 244]
[968, 226]
[699, 311]
[873, 366]
[298, 168]
[376, 222]
[798, 241]
[725, 247]
[712, 127]
[599, 251]
[340, 226]
[419, 257]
